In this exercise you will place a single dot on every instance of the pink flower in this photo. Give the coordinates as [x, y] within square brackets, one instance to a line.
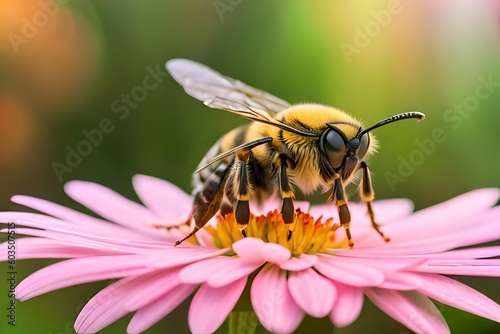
[310, 271]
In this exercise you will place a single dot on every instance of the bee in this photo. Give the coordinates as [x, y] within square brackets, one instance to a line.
[306, 146]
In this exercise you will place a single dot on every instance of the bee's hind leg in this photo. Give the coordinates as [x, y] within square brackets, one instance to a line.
[208, 200]
[367, 195]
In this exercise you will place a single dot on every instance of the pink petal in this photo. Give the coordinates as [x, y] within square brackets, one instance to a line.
[302, 262]
[111, 205]
[150, 314]
[272, 302]
[39, 221]
[152, 286]
[200, 272]
[235, 270]
[424, 246]
[181, 255]
[468, 253]
[211, 306]
[386, 211]
[411, 308]
[435, 238]
[78, 271]
[402, 281]
[76, 218]
[74, 236]
[314, 293]
[387, 264]
[274, 253]
[40, 248]
[117, 299]
[484, 229]
[348, 271]
[164, 198]
[249, 249]
[389, 211]
[488, 268]
[347, 306]
[256, 250]
[459, 295]
[106, 307]
[453, 214]
[217, 272]
[77, 236]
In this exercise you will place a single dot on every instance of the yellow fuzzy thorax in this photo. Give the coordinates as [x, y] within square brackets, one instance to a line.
[313, 117]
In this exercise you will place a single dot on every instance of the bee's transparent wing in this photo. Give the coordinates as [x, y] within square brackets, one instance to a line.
[221, 92]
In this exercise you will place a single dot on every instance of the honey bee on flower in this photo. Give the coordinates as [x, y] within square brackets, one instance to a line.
[311, 146]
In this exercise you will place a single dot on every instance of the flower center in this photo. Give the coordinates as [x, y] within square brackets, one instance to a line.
[304, 235]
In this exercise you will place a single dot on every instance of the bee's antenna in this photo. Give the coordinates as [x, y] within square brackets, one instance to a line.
[411, 114]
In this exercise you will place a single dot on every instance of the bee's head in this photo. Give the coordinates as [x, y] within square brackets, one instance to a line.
[345, 145]
[340, 144]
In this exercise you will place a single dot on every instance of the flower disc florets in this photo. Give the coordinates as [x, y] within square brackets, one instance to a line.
[304, 236]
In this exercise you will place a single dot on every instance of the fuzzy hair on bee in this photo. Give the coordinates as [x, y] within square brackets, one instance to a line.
[309, 146]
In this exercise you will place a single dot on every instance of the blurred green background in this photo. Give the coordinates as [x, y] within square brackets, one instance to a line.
[70, 67]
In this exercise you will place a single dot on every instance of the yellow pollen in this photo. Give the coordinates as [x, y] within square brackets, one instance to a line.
[304, 236]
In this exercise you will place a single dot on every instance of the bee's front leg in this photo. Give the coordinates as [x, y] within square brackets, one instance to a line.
[287, 209]
[208, 199]
[367, 195]
[344, 213]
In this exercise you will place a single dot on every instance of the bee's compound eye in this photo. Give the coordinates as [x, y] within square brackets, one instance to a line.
[363, 147]
[335, 142]
[335, 147]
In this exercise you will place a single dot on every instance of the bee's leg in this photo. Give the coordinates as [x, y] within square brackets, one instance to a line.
[240, 176]
[287, 209]
[367, 195]
[208, 200]
[344, 214]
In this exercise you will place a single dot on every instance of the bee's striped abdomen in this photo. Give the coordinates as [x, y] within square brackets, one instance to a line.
[227, 142]
[208, 189]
